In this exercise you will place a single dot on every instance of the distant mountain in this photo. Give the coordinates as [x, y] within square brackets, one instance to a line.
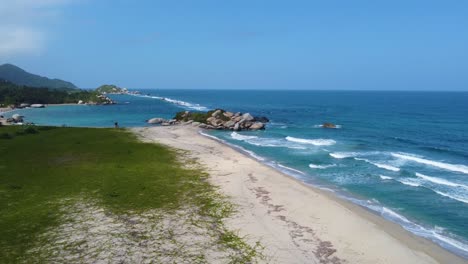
[19, 76]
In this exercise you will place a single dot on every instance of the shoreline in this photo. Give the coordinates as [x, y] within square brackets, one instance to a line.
[281, 211]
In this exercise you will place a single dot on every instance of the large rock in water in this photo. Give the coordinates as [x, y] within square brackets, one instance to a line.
[222, 120]
[17, 118]
[328, 125]
[257, 126]
[156, 120]
[247, 117]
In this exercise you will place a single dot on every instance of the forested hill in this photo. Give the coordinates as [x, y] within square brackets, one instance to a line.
[12, 94]
[19, 76]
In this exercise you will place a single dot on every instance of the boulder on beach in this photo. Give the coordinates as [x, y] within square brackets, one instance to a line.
[156, 120]
[17, 118]
[37, 106]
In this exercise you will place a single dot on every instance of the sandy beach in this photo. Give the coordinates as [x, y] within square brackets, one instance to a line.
[296, 223]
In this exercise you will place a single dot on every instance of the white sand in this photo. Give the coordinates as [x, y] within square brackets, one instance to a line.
[297, 223]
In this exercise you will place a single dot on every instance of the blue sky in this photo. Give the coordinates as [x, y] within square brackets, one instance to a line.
[358, 45]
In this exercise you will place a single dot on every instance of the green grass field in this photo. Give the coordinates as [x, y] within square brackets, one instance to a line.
[41, 168]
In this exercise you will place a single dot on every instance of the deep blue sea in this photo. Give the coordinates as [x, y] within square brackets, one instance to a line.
[402, 155]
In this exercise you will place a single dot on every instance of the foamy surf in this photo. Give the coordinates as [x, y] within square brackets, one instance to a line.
[380, 165]
[440, 181]
[383, 177]
[315, 142]
[177, 102]
[343, 155]
[289, 168]
[322, 167]
[321, 126]
[409, 182]
[238, 136]
[438, 164]
[453, 196]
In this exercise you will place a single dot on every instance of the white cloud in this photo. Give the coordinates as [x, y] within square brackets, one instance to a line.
[23, 28]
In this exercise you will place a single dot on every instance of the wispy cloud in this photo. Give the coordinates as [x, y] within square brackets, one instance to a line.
[23, 28]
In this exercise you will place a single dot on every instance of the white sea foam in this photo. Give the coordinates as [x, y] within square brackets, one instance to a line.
[315, 142]
[238, 136]
[320, 126]
[177, 102]
[313, 166]
[380, 165]
[266, 142]
[432, 234]
[393, 215]
[383, 177]
[409, 182]
[289, 168]
[440, 181]
[438, 164]
[453, 196]
[342, 155]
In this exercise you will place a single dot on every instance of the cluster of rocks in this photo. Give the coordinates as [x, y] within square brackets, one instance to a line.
[162, 121]
[217, 119]
[223, 120]
[14, 119]
[104, 100]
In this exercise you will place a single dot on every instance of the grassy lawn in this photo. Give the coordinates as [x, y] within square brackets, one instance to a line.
[42, 169]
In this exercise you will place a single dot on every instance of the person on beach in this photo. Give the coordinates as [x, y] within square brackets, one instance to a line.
[116, 125]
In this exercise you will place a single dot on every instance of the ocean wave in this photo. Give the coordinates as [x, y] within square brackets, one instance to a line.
[289, 168]
[380, 165]
[383, 177]
[266, 142]
[409, 182]
[183, 104]
[434, 234]
[241, 149]
[315, 142]
[238, 136]
[313, 166]
[321, 126]
[440, 181]
[438, 164]
[343, 155]
[453, 196]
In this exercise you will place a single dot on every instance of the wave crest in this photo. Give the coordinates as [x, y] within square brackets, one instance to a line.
[315, 142]
[321, 167]
[438, 164]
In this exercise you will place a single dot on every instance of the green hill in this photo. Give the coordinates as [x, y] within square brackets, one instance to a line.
[106, 88]
[19, 76]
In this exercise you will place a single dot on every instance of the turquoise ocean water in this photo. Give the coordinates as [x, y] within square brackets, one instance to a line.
[402, 155]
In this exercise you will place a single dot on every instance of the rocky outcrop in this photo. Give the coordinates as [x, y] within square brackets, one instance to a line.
[328, 125]
[222, 120]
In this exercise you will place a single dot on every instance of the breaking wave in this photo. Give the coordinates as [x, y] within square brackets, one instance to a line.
[315, 142]
[180, 103]
[380, 165]
[440, 181]
[383, 177]
[313, 166]
[438, 164]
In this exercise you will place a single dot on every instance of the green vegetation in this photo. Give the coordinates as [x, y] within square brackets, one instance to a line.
[199, 116]
[45, 171]
[11, 94]
[106, 88]
[19, 76]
